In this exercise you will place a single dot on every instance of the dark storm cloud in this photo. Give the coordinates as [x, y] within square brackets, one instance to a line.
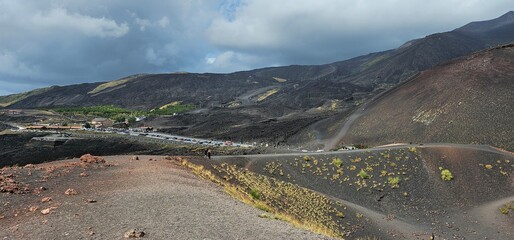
[48, 42]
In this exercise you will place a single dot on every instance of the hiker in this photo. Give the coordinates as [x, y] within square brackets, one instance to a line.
[205, 153]
[209, 154]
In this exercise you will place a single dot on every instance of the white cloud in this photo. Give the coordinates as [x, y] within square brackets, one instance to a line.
[61, 19]
[210, 60]
[143, 23]
[11, 66]
[64, 42]
[230, 61]
[164, 22]
[340, 27]
[153, 58]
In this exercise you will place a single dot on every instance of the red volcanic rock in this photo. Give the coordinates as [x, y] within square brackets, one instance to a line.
[88, 158]
[71, 191]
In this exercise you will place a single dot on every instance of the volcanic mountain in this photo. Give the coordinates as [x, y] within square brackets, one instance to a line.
[274, 103]
[468, 100]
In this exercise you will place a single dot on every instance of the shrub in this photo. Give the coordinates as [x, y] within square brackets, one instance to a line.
[446, 175]
[394, 182]
[306, 158]
[363, 174]
[337, 162]
[506, 208]
[255, 194]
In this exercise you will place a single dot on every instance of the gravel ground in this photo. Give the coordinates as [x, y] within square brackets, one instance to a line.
[157, 197]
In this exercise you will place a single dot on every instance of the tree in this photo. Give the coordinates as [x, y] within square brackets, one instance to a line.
[131, 119]
[87, 125]
[119, 118]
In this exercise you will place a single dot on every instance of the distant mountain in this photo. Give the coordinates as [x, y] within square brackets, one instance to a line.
[242, 101]
[468, 100]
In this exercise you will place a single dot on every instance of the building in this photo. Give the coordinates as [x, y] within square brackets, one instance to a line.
[101, 122]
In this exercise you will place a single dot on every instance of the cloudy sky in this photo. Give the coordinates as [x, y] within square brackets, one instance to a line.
[60, 42]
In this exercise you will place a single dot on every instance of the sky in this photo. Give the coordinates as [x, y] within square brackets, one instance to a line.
[62, 42]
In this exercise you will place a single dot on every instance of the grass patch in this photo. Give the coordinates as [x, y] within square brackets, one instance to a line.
[107, 85]
[394, 182]
[170, 109]
[363, 174]
[337, 162]
[267, 94]
[113, 112]
[280, 80]
[8, 100]
[304, 208]
[114, 83]
[446, 175]
[255, 194]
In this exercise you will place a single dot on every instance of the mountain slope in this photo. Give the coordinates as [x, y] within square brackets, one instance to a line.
[278, 96]
[368, 72]
[468, 100]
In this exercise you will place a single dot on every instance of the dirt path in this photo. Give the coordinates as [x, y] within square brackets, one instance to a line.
[489, 217]
[332, 143]
[158, 197]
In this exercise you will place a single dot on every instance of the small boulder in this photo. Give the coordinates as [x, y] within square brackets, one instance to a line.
[46, 199]
[88, 158]
[71, 191]
[47, 210]
[134, 233]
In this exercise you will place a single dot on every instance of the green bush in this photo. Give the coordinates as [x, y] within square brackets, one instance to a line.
[255, 194]
[363, 174]
[446, 175]
[394, 182]
[337, 162]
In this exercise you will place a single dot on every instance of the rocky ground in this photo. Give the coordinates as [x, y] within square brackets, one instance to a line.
[18, 148]
[126, 197]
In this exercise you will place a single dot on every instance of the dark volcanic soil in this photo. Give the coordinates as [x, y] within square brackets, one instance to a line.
[468, 100]
[420, 202]
[19, 149]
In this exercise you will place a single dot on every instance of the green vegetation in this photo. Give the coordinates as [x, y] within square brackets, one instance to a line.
[107, 85]
[394, 182]
[120, 114]
[107, 111]
[505, 209]
[256, 195]
[337, 162]
[280, 80]
[171, 109]
[112, 84]
[446, 175]
[303, 208]
[363, 174]
[412, 149]
[267, 94]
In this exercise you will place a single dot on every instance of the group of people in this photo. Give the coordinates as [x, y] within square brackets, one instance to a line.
[207, 153]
